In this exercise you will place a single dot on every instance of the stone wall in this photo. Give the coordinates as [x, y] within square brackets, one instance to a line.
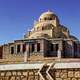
[31, 73]
[19, 75]
[67, 74]
[59, 74]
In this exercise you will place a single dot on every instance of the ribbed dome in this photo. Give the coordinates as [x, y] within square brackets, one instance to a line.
[49, 15]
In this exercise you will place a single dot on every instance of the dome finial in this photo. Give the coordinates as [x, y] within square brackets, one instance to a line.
[49, 10]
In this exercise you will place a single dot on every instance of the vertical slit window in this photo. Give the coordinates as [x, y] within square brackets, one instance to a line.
[18, 48]
[75, 47]
[56, 47]
[52, 47]
[33, 48]
[24, 48]
[1, 52]
[38, 47]
[12, 50]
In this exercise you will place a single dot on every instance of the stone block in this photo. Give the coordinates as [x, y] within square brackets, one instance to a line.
[58, 70]
[14, 73]
[64, 70]
[57, 74]
[8, 74]
[70, 74]
[63, 75]
[13, 78]
[58, 78]
[2, 74]
[25, 73]
[77, 74]
[18, 73]
[74, 79]
[67, 79]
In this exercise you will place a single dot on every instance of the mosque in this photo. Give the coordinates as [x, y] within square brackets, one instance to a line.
[48, 39]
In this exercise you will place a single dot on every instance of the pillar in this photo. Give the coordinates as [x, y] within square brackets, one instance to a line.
[26, 53]
[21, 50]
[36, 47]
[15, 48]
[59, 53]
[42, 48]
[60, 49]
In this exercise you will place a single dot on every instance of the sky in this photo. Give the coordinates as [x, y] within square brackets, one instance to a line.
[18, 16]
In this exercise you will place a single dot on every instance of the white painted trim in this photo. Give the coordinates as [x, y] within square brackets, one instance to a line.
[26, 66]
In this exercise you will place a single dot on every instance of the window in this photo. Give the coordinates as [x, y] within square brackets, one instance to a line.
[45, 18]
[33, 48]
[18, 48]
[24, 48]
[79, 48]
[38, 47]
[12, 50]
[50, 19]
[52, 47]
[75, 47]
[42, 27]
[1, 51]
[56, 47]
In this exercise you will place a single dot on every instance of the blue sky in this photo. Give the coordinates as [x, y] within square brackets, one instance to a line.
[17, 16]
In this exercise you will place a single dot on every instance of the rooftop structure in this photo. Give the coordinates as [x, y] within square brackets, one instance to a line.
[46, 41]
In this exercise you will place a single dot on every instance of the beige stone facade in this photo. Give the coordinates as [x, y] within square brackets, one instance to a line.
[47, 39]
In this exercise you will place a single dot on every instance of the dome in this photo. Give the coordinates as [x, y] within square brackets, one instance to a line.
[49, 15]
[45, 25]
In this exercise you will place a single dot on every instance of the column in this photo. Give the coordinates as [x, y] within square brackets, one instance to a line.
[42, 49]
[35, 47]
[21, 50]
[29, 48]
[26, 53]
[59, 52]
[15, 48]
